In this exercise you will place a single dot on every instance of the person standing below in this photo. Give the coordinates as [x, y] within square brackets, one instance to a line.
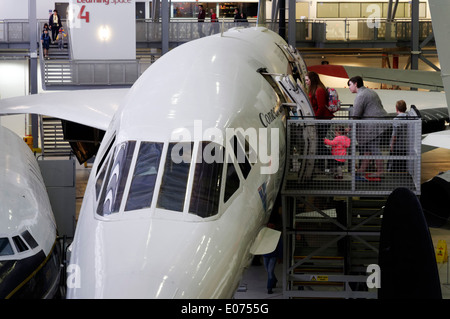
[55, 23]
[368, 106]
[200, 19]
[214, 23]
[318, 96]
[270, 261]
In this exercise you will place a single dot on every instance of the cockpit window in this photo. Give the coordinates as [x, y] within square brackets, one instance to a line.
[5, 247]
[106, 154]
[232, 182]
[250, 151]
[100, 179]
[207, 180]
[174, 181]
[29, 239]
[114, 185]
[144, 177]
[20, 244]
[241, 157]
[103, 165]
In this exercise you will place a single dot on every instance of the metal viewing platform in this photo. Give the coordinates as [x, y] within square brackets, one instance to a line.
[311, 163]
[332, 212]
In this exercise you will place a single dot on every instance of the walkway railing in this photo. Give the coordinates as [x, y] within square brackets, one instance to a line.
[313, 168]
[306, 30]
[16, 32]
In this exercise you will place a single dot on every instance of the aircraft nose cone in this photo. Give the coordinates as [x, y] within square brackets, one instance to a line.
[141, 259]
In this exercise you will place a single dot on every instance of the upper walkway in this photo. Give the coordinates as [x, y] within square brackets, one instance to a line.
[67, 73]
[339, 33]
[343, 33]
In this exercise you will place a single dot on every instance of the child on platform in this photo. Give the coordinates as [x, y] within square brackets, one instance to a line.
[339, 146]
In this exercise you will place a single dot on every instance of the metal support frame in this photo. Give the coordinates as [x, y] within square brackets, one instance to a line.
[416, 48]
[279, 7]
[301, 284]
[33, 67]
[292, 24]
[415, 35]
[165, 26]
[328, 232]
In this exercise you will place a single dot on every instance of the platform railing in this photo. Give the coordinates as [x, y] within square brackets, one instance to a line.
[312, 167]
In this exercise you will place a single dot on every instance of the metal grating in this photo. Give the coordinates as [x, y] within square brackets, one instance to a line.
[312, 169]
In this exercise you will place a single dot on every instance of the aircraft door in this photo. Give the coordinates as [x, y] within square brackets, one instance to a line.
[297, 105]
[303, 138]
[297, 64]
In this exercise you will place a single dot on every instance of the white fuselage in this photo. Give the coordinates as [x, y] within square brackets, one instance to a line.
[27, 224]
[24, 200]
[191, 94]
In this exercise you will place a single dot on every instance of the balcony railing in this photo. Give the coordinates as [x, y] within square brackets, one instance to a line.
[13, 32]
[313, 169]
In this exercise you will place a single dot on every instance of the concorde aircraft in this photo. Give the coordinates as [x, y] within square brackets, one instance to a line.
[188, 170]
[188, 173]
[29, 251]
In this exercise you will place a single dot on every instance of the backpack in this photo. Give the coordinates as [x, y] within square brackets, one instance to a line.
[334, 104]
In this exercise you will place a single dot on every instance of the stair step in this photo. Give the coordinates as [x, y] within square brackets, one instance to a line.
[53, 138]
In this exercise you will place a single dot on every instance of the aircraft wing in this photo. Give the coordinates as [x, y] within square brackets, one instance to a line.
[438, 139]
[422, 100]
[430, 80]
[94, 108]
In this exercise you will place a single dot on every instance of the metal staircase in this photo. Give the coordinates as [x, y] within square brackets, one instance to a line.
[57, 70]
[329, 244]
[52, 138]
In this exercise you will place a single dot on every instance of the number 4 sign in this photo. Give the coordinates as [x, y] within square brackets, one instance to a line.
[76, 14]
[83, 15]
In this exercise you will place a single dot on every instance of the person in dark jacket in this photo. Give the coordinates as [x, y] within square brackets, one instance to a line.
[200, 19]
[55, 23]
[45, 39]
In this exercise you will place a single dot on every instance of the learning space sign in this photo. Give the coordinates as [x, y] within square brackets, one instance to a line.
[102, 29]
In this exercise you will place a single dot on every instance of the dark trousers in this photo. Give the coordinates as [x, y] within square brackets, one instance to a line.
[322, 130]
[269, 263]
[55, 32]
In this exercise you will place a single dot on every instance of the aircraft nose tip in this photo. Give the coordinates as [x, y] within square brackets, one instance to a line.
[148, 260]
